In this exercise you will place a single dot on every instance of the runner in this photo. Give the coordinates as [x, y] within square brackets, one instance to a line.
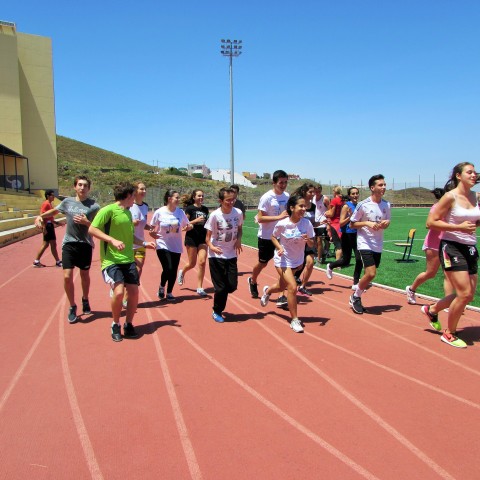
[290, 235]
[333, 217]
[114, 228]
[197, 214]
[370, 219]
[167, 225]
[77, 246]
[349, 240]
[48, 228]
[431, 246]
[322, 204]
[457, 215]
[271, 209]
[224, 240]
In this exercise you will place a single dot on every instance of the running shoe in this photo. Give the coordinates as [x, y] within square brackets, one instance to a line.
[202, 292]
[305, 291]
[129, 331]
[253, 288]
[170, 297]
[452, 340]
[432, 318]
[37, 264]
[86, 306]
[296, 325]
[161, 293]
[282, 301]
[297, 279]
[218, 318]
[59, 264]
[411, 297]
[265, 297]
[370, 285]
[180, 277]
[329, 272]
[116, 334]
[356, 304]
[72, 314]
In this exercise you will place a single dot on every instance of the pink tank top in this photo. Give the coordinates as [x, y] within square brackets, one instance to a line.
[432, 240]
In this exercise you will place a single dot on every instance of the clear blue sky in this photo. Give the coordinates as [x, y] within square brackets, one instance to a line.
[329, 90]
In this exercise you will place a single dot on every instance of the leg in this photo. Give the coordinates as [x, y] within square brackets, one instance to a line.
[201, 260]
[192, 253]
[68, 285]
[132, 293]
[307, 272]
[433, 264]
[41, 251]
[116, 301]
[85, 278]
[464, 285]
[53, 249]
[219, 280]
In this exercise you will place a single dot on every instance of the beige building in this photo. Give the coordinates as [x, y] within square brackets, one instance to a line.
[28, 145]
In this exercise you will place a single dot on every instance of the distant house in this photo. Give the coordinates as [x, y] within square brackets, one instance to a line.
[250, 175]
[293, 176]
[223, 175]
[196, 168]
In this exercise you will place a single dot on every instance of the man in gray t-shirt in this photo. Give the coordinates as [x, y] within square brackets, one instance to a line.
[77, 244]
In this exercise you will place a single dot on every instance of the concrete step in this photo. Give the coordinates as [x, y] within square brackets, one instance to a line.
[16, 223]
[17, 234]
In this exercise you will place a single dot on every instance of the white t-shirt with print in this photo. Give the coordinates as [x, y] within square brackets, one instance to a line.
[320, 209]
[170, 226]
[289, 235]
[224, 228]
[369, 211]
[139, 212]
[272, 205]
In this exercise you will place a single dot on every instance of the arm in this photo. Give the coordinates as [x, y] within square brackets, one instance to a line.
[345, 215]
[435, 219]
[263, 218]
[277, 244]
[210, 245]
[97, 233]
[238, 243]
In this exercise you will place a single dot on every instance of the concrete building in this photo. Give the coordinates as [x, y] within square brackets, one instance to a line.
[28, 144]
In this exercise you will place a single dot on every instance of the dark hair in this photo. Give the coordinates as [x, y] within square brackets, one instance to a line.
[319, 187]
[169, 193]
[292, 201]
[48, 193]
[82, 177]
[349, 191]
[190, 199]
[438, 192]
[278, 174]
[223, 191]
[372, 180]
[123, 190]
[303, 189]
[235, 187]
[453, 181]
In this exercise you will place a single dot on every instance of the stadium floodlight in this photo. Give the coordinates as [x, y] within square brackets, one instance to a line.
[230, 49]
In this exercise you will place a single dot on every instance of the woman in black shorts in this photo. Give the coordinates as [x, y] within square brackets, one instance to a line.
[197, 213]
[457, 215]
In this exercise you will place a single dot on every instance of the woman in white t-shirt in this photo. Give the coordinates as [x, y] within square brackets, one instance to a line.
[289, 238]
[167, 225]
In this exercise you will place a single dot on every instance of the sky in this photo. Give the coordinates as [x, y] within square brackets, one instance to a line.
[332, 91]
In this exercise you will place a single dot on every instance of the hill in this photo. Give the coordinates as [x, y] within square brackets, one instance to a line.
[107, 168]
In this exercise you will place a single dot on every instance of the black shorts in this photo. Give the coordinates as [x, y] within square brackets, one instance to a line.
[369, 258]
[49, 232]
[458, 257]
[266, 250]
[121, 273]
[321, 231]
[195, 239]
[310, 251]
[77, 254]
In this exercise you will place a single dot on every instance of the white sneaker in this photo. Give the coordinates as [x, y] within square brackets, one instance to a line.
[296, 326]
[265, 297]
[329, 272]
[354, 287]
[202, 292]
[180, 277]
[411, 297]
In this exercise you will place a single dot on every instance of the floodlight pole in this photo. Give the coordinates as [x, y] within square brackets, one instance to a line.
[231, 48]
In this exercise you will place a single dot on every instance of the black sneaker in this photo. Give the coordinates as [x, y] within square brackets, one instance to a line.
[116, 334]
[129, 331]
[72, 314]
[298, 281]
[253, 288]
[161, 293]
[86, 306]
[282, 301]
[356, 304]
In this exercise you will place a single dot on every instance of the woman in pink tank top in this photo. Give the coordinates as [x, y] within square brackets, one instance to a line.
[457, 216]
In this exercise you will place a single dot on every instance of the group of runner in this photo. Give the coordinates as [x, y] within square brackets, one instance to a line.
[292, 231]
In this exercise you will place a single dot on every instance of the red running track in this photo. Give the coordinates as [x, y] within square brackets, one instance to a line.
[370, 396]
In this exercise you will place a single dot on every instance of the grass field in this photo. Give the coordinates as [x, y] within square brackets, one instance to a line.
[392, 273]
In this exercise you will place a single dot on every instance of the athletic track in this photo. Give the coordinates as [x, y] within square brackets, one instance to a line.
[372, 396]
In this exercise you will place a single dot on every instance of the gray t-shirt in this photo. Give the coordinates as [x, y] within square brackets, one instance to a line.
[77, 232]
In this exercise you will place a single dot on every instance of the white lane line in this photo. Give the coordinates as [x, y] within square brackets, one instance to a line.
[15, 276]
[83, 436]
[187, 445]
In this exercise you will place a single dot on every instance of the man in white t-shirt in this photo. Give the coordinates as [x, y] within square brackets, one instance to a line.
[371, 218]
[271, 209]
[322, 204]
[224, 241]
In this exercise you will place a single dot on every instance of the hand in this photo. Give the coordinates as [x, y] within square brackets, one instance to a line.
[39, 223]
[117, 244]
[467, 227]
[238, 247]
[153, 234]
[151, 245]
[283, 215]
[216, 250]
[280, 251]
[81, 219]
